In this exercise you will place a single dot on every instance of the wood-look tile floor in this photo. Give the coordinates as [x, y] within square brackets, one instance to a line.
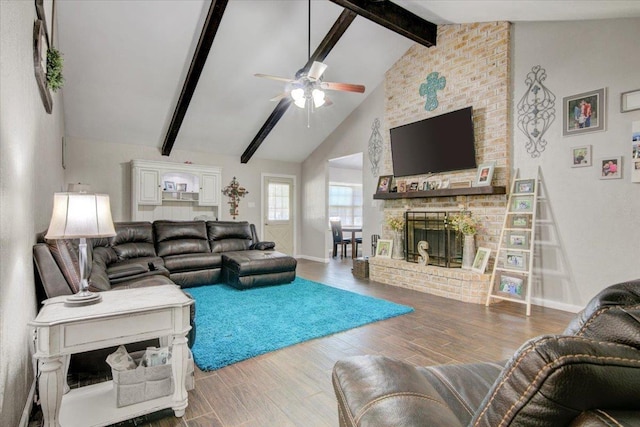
[292, 386]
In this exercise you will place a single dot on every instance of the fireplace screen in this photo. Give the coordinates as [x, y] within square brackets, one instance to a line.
[445, 249]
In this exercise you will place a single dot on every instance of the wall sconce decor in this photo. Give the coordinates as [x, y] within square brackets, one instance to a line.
[234, 192]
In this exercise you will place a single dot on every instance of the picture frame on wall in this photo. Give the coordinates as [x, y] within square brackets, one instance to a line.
[481, 260]
[511, 285]
[384, 184]
[40, 46]
[169, 186]
[517, 240]
[402, 186]
[581, 156]
[413, 186]
[584, 112]
[610, 167]
[485, 174]
[383, 248]
[525, 186]
[630, 101]
[181, 187]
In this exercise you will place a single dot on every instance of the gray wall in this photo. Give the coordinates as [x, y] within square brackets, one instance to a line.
[30, 172]
[351, 137]
[106, 167]
[589, 236]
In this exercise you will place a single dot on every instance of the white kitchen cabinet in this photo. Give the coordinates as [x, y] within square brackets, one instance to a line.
[174, 191]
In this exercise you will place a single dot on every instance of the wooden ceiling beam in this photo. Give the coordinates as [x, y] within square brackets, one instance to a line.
[394, 18]
[209, 30]
[330, 40]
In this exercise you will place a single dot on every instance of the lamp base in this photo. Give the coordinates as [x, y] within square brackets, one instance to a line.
[83, 298]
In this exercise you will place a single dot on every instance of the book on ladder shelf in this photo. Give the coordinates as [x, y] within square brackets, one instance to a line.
[511, 276]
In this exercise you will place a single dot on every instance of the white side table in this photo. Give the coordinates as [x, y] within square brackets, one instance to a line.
[123, 316]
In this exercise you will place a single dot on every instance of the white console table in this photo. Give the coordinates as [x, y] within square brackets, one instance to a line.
[123, 316]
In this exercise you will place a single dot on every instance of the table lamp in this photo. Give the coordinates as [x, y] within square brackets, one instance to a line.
[81, 216]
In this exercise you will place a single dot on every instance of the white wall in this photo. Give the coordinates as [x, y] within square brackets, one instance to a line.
[30, 172]
[106, 167]
[590, 237]
[351, 137]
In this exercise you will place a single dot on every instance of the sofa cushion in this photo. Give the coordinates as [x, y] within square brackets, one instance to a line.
[133, 240]
[180, 237]
[226, 236]
[135, 268]
[188, 262]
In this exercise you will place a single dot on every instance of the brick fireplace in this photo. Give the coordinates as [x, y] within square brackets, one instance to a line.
[475, 60]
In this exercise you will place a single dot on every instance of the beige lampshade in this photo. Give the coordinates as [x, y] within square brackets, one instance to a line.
[77, 215]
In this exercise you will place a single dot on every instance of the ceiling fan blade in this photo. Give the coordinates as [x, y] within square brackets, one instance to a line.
[347, 87]
[316, 70]
[280, 79]
[279, 97]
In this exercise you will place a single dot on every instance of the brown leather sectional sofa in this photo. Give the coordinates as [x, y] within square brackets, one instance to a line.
[188, 253]
[587, 377]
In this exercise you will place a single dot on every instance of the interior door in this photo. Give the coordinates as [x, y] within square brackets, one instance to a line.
[278, 212]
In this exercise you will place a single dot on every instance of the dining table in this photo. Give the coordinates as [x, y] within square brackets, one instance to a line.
[354, 246]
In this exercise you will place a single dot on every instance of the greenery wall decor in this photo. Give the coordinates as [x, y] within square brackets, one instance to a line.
[55, 80]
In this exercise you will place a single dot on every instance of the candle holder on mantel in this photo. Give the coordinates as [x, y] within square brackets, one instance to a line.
[234, 192]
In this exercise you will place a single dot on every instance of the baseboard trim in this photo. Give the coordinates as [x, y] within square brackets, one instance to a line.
[26, 412]
[556, 305]
[313, 258]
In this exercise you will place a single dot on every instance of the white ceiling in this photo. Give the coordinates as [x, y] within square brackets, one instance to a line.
[126, 61]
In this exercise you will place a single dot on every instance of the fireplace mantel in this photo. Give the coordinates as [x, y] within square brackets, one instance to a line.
[444, 192]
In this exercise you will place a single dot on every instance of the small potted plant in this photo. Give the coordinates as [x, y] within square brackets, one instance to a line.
[54, 69]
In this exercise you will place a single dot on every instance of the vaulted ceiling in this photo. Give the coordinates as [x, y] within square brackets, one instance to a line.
[126, 62]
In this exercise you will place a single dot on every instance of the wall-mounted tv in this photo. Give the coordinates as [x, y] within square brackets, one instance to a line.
[438, 144]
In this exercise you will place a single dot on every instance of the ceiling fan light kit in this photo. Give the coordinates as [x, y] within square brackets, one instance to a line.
[307, 88]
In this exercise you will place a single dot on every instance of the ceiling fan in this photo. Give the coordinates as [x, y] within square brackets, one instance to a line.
[307, 88]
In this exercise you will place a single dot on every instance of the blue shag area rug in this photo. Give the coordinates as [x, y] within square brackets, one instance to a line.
[234, 325]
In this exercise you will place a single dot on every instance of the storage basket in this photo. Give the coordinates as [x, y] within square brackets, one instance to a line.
[361, 268]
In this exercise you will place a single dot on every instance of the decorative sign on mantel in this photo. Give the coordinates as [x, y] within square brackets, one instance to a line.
[234, 192]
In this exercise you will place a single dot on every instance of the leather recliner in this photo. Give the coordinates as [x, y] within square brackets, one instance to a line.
[588, 376]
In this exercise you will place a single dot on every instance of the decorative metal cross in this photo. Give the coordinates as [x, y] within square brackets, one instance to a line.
[434, 83]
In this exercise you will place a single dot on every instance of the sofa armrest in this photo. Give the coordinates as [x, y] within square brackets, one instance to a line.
[551, 380]
[263, 246]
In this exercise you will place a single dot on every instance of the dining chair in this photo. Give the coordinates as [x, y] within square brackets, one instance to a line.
[338, 239]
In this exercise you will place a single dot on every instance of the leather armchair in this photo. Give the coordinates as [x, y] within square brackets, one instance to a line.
[588, 376]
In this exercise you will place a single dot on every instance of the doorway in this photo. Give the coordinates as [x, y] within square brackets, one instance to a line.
[278, 212]
[345, 195]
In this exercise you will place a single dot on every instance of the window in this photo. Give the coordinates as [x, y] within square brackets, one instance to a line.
[345, 202]
[278, 202]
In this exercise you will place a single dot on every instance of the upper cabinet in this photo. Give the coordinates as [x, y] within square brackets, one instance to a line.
[176, 191]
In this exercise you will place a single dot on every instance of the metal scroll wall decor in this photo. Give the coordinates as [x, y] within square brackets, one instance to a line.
[234, 192]
[536, 111]
[430, 88]
[375, 147]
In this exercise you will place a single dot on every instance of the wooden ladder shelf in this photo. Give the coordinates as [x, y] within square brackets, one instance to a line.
[513, 265]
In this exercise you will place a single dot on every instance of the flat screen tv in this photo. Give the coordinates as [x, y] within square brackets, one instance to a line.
[438, 144]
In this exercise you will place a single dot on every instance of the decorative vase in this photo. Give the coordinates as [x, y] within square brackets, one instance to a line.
[468, 250]
[398, 245]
